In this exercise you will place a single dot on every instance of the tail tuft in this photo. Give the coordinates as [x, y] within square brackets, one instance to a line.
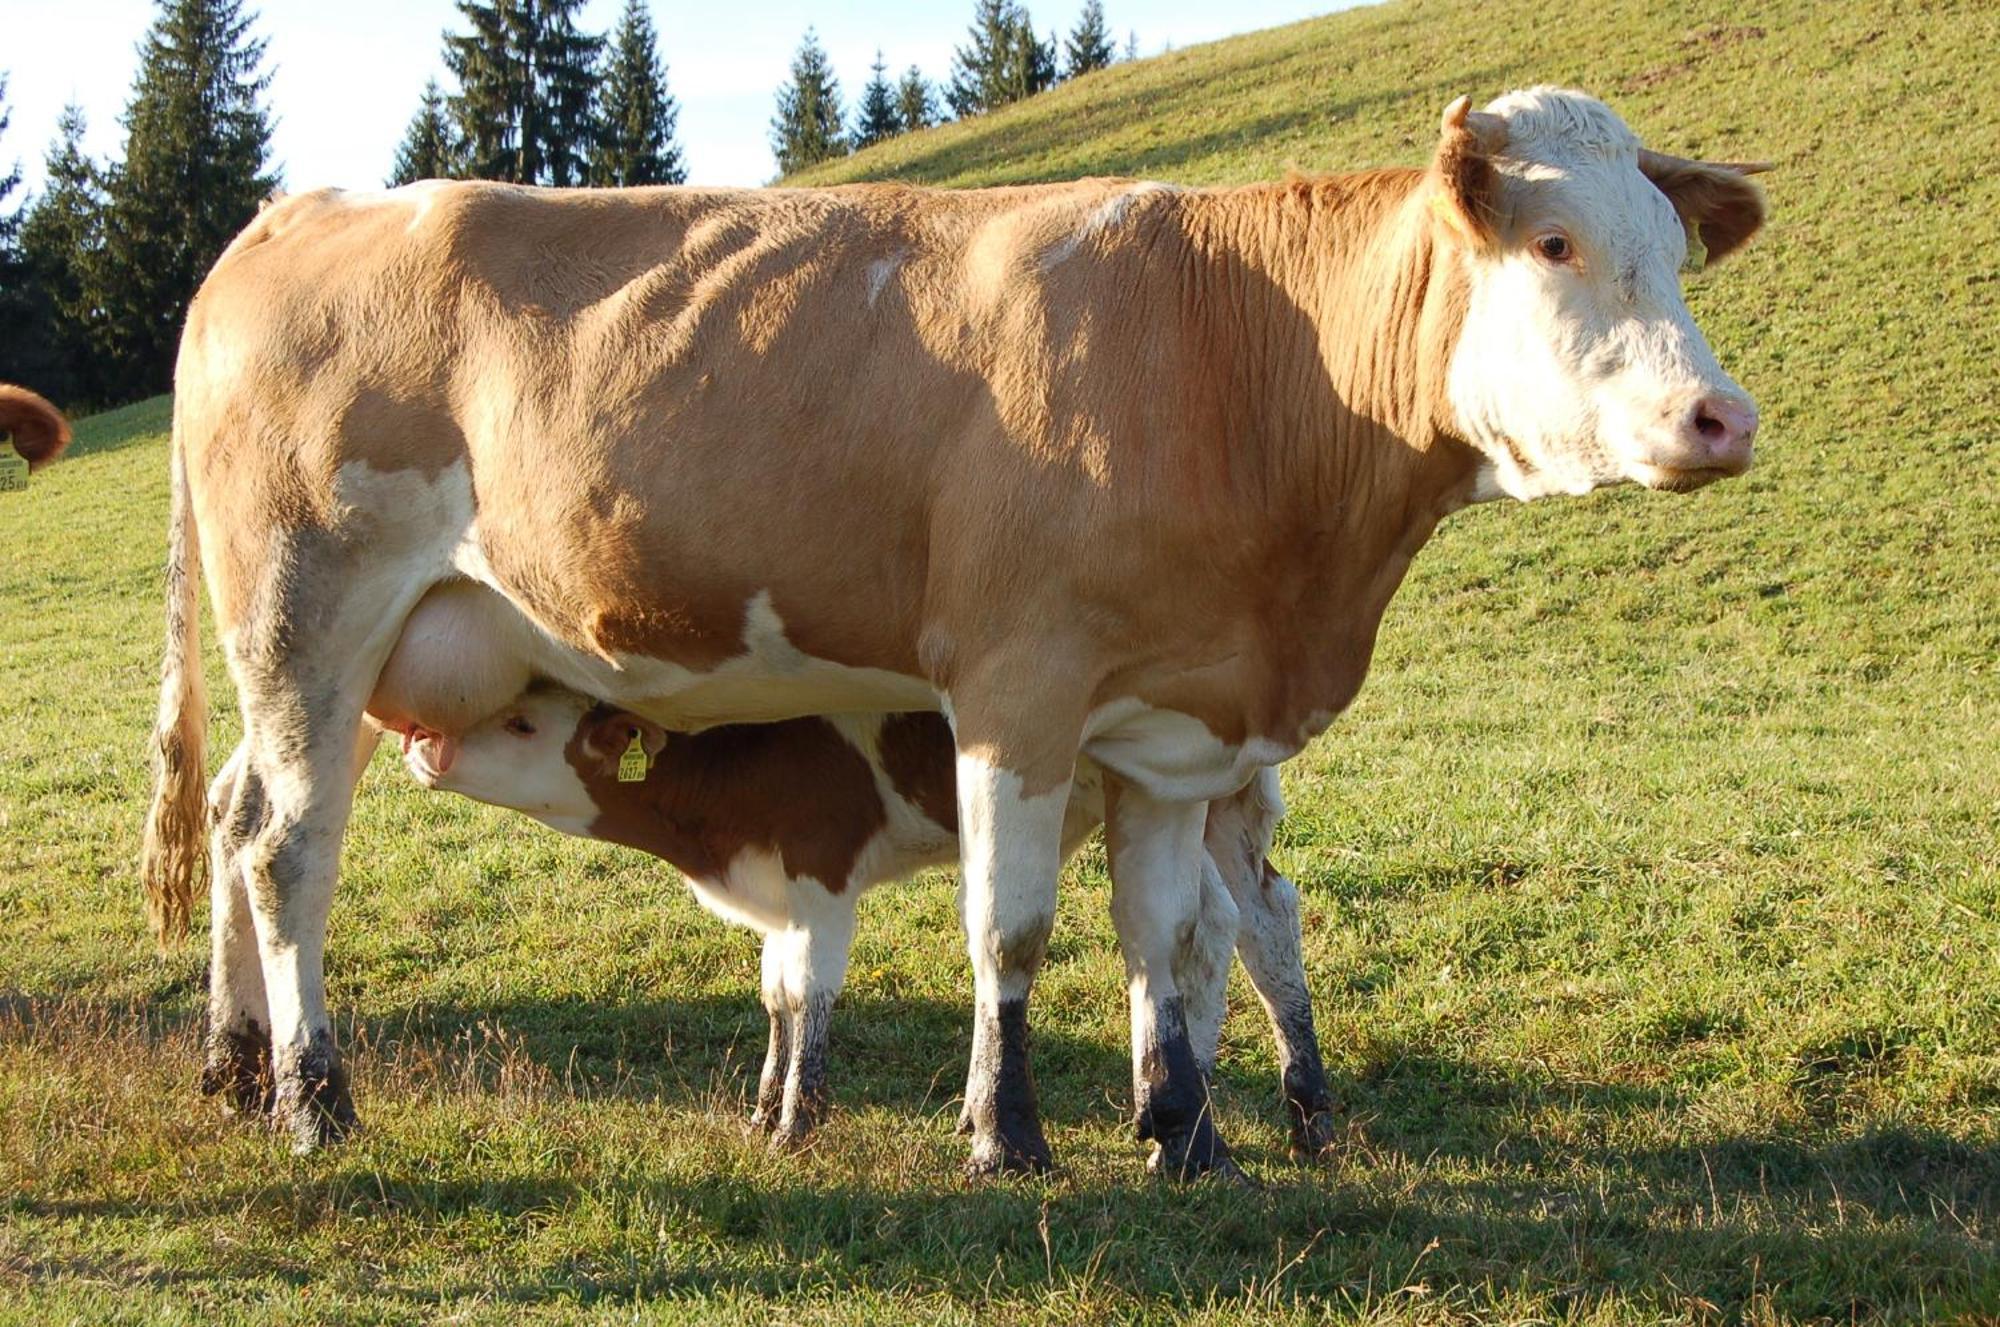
[176, 826]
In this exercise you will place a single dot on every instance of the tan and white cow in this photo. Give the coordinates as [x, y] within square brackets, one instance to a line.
[1100, 469]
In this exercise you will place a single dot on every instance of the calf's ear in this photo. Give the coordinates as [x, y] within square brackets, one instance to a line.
[1465, 193]
[608, 732]
[1716, 199]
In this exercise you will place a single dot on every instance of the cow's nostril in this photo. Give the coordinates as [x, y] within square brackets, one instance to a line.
[1710, 427]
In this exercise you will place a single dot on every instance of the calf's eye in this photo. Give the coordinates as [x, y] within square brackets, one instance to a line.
[1554, 248]
[520, 726]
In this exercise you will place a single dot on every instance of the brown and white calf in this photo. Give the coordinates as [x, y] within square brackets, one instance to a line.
[1107, 469]
[782, 827]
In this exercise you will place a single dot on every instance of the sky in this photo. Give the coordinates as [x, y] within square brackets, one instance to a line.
[347, 73]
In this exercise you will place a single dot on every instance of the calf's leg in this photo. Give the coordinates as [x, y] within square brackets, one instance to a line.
[778, 1053]
[816, 949]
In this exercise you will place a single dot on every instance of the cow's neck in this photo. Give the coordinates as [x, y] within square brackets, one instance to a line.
[1342, 311]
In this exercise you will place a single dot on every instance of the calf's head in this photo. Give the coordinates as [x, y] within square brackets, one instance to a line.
[543, 753]
[1577, 363]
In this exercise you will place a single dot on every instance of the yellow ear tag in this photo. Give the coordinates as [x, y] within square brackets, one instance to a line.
[1697, 258]
[632, 766]
[13, 470]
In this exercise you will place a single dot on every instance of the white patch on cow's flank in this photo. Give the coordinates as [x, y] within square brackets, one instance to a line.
[1107, 216]
[880, 273]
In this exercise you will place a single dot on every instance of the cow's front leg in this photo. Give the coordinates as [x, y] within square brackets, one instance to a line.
[1156, 891]
[1010, 816]
[1269, 943]
[815, 963]
[236, 1049]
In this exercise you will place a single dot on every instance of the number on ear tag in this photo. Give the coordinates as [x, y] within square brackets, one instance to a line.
[13, 470]
[632, 766]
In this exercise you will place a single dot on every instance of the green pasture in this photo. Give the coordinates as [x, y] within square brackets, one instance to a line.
[1652, 885]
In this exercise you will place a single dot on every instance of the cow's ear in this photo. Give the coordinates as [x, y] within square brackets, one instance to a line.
[1465, 191]
[1716, 199]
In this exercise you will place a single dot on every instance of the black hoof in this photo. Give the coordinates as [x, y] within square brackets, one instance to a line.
[1191, 1153]
[313, 1103]
[237, 1067]
[1312, 1134]
[1023, 1155]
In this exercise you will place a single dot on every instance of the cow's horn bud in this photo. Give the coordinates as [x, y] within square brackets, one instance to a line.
[1454, 115]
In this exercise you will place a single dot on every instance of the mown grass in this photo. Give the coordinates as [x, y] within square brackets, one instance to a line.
[1653, 884]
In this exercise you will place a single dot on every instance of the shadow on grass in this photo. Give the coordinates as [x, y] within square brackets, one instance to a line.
[1454, 1182]
[115, 430]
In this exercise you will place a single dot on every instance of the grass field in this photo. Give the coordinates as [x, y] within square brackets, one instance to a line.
[1653, 884]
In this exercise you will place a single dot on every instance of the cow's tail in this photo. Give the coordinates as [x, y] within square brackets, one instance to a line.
[177, 823]
[39, 430]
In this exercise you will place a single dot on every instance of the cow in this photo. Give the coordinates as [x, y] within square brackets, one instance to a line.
[1104, 469]
[39, 431]
[782, 826]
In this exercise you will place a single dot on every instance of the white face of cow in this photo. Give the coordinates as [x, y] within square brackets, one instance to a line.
[1578, 364]
[518, 759]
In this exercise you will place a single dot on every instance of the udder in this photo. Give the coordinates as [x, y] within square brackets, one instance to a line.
[463, 656]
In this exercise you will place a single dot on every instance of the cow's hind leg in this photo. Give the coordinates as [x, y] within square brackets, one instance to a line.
[305, 656]
[236, 1052]
[1269, 943]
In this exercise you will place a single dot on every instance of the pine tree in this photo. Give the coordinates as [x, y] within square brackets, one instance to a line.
[10, 222]
[807, 128]
[1003, 62]
[635, 113]
[978, 68]
[62, 240]
[878, 118]
[430, 149]
[23, 312]
[1031, 62]
[566, 76]
[525, 78]
[1089, 46]
[197, 149]
[916, 106]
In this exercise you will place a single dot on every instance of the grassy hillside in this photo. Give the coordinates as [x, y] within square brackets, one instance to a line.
[1653, 883]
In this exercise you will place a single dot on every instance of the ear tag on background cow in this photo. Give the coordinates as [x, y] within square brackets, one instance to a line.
[1697, 258]
[13, 470]
[633, 764]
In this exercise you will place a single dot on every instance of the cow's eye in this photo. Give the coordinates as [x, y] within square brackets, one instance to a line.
[521, 726]
[1554, 248]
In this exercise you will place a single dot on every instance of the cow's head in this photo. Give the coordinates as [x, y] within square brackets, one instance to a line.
[1578, 363]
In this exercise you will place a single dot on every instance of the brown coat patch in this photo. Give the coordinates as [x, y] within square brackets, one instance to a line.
[39, 430]
[920, 759]
[797, 788]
